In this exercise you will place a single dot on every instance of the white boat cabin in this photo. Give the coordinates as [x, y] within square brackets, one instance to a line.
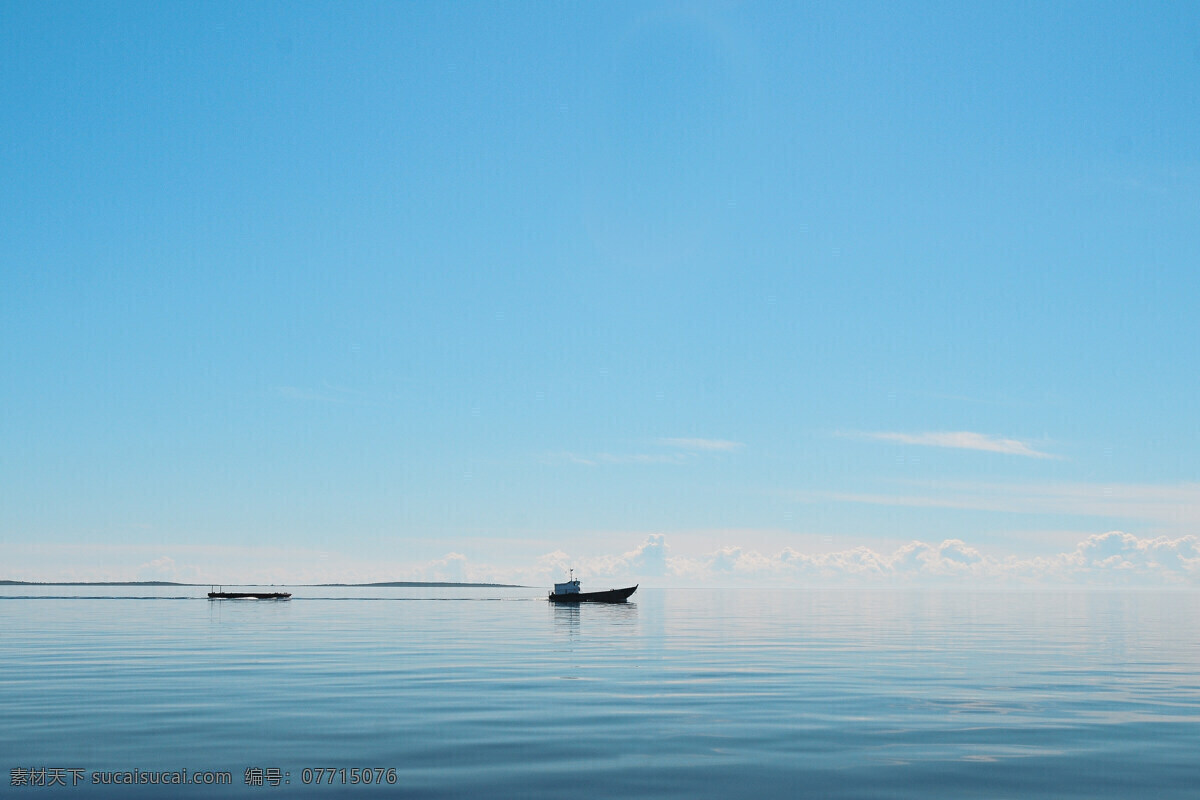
[570, 587]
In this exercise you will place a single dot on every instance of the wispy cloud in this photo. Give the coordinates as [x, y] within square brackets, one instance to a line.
[1176, 504]
[961, 440]
[701, 444]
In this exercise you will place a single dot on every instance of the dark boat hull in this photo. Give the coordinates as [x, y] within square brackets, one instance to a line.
[611, 596]
[249, 595]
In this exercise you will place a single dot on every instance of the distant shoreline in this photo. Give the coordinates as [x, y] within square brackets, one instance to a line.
[94, 583]
[347, 585]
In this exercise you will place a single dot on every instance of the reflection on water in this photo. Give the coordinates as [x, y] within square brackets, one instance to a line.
[682, 693]
[605, 618]
[566, 617]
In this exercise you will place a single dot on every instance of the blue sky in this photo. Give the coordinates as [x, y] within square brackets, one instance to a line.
[672, 292]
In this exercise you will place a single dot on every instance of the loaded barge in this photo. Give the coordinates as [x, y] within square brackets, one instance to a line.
[249, 595]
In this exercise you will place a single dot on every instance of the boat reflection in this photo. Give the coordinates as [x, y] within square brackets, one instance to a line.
[569, 617]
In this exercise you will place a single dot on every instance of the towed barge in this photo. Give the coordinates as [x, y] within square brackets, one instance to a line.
[222, 595]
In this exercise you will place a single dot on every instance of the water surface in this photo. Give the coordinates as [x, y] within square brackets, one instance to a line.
[681, 693]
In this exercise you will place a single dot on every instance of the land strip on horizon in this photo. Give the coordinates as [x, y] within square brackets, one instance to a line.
[172, 583]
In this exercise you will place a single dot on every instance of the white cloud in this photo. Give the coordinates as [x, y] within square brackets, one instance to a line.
[452, 567]
[1113, 558]
[952, 558]
[1122, 551]
[649, 559]
[1100, 559]
[962, 440]
[162, 568]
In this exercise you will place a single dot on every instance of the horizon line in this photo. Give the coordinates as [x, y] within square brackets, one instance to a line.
[176, 583]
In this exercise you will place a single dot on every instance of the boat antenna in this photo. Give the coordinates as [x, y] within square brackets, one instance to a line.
[572, 574]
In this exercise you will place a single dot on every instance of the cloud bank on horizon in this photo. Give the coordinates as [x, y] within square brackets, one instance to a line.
[1114, 558]
[1102, 559]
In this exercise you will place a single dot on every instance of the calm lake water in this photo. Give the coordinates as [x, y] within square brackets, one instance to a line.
[681, 693]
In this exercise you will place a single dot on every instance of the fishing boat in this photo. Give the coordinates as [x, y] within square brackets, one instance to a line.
[569, 593]
[223, 595]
